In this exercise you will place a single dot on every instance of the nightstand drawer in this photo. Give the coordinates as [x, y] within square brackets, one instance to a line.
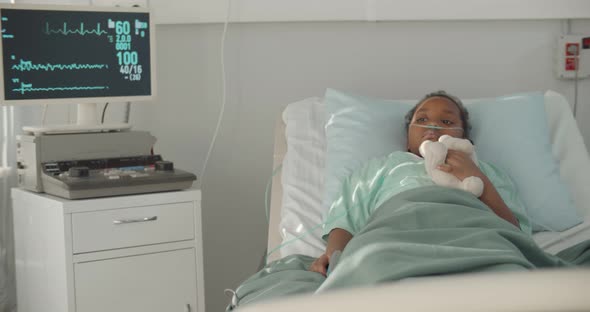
[120, 228]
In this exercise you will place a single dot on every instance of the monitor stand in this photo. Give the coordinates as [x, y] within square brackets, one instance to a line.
[87, 121]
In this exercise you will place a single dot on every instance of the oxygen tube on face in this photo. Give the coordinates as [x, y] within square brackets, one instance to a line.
[433, 127]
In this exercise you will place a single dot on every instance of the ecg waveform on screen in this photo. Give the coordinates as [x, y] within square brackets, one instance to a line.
[69, 54]
[28, 87]
[29, 66]
[64, 30]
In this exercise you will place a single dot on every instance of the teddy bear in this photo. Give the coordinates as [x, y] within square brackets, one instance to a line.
[435, 154]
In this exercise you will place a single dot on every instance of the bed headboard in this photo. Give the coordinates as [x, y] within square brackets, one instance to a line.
[280, 149]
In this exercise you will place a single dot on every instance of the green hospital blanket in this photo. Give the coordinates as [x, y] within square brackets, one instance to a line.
[421, 232]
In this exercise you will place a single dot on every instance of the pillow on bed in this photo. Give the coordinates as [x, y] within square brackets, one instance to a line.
[568, 146]
[510, 132]
[302, 178]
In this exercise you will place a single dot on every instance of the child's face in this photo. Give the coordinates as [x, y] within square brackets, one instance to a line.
[436, 111]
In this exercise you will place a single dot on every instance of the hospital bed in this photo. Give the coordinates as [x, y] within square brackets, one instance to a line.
[541, 290]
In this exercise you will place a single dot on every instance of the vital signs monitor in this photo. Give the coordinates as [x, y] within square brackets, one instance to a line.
[75, 54]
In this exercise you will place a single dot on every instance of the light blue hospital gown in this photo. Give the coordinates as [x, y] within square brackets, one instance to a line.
[382, 178]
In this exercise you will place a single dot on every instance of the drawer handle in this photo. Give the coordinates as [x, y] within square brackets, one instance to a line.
[126, 221]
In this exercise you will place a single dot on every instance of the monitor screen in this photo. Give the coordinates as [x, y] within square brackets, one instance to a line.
[83, 54]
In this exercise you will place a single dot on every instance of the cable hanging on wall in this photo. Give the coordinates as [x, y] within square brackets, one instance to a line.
[223, 91]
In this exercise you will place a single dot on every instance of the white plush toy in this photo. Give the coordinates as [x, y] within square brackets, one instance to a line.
[435, 154]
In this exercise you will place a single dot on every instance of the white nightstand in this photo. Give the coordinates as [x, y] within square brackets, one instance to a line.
[127, 253]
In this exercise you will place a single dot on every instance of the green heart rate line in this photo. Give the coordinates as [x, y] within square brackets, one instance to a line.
[28, 87]
[29, 66]
[80, 31]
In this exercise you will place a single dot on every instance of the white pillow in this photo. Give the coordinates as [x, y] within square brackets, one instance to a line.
[567, 146]
[303, 179]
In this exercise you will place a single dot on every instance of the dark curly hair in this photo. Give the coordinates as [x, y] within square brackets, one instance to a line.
[452, 98]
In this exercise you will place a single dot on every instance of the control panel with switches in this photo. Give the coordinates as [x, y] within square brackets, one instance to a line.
[91, 165]
[113, 176]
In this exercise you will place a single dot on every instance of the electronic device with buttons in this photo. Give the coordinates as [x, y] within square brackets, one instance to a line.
[87, 165]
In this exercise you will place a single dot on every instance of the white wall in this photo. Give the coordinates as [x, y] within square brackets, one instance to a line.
[272, 64]
[214, 11]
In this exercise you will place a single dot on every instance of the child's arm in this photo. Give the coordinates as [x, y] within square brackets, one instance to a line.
[492, 198]
[460, 165]
[337, 240]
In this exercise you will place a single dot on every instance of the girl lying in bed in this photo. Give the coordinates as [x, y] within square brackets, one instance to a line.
[380, 179]
[396, 223]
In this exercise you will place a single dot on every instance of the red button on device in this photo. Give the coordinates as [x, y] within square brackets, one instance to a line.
[570, 63]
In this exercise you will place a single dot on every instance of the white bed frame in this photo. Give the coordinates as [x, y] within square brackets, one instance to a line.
[548, 290]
